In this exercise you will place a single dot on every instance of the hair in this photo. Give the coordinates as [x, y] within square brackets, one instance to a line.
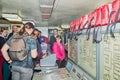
[14, 26]
[22, 31]
[55, 29]
[58, 36]
[30, 25]
[35, 30]
[39, 31]
[2, 30]
[33, 33]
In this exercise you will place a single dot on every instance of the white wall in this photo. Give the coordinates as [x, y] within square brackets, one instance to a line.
[44, 30]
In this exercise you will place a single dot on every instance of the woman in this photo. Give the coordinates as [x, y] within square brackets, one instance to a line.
[58, 49]
[39, 55]
[23, 70]
[2, 42]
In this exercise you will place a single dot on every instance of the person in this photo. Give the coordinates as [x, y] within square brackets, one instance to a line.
[40, 44]
[14, 31]
[45, 48]
[3, 34]
[39, 55]
[23, 70]
[6, 69]
[58, 49]
[53, 37]
[41, 36]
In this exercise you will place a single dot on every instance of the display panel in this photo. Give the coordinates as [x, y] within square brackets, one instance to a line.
[69, 66]
[87, 55]
[110, 51]
[72, 49]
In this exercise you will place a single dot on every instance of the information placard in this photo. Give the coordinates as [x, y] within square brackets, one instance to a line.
[110, 51]
[72, 49]
[87, 55]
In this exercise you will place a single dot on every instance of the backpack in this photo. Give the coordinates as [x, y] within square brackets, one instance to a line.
[18, 47]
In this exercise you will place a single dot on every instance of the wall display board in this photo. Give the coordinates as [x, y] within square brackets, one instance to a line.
[72, 49]
[110, 57]
[87, 55]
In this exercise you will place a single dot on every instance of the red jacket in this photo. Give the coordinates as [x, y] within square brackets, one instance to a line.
[59, 51]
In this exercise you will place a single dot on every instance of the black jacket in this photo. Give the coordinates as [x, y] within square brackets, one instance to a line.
[2, 41]
[52, 40]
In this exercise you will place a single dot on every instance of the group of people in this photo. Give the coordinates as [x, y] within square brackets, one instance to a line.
[37, 46]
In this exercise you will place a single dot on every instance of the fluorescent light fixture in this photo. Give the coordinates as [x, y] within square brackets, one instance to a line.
[46, 6]
[65, 26]
[12, 17]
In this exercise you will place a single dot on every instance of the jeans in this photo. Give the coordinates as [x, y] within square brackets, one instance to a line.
[21, 73]
[6, 71]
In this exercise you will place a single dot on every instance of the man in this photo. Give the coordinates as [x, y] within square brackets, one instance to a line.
[6, 70]
[14, 31]
[53, 37]
[22, 70]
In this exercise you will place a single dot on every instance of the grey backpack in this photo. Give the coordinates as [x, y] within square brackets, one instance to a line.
[18, 47]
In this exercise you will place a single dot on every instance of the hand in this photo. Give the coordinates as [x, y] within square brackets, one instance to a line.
[38, 65]
[9, 61]
[44, 55]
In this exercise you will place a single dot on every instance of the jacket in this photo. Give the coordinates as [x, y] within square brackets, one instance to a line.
[59, 50]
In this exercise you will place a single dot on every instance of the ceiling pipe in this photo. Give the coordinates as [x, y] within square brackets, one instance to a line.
[52, 8]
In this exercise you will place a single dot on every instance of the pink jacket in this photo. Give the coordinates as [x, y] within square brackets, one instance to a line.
[59, 51]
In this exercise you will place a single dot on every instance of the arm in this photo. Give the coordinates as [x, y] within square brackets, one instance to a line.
[33, 48]
[5, 53]
[34, 53]
[49, 49]
[63, 53]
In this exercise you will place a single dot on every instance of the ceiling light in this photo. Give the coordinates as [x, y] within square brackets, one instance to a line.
[65, 26]
[12, 17]
[46, 6]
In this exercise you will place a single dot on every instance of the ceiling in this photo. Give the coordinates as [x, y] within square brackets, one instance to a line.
[49, 12]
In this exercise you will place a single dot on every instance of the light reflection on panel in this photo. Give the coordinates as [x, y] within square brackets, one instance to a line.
[110, 50]
[87, 55]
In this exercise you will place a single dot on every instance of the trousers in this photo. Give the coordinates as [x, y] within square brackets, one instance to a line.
[21, 73]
